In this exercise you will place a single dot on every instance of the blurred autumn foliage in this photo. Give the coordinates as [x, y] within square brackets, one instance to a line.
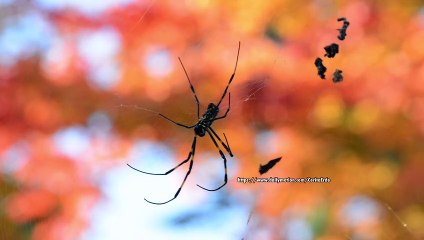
[104, 74]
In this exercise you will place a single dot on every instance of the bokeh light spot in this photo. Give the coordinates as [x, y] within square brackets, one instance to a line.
[364, 116]
[158, 64]
[99, 50]
[72, 141]
[328, 111]
[360, 210]
[382, 176]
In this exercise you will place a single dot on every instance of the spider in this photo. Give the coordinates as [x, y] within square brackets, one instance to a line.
[201, 128]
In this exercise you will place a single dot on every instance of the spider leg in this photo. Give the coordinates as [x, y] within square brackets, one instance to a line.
[232, 76]
[192, 90]
[225, 165]
[166, 173]
[179, 124]
[228, 109]
[191, 157]
[226, 146]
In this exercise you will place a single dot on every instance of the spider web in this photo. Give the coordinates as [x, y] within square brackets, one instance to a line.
[140, 19]
[254, 88]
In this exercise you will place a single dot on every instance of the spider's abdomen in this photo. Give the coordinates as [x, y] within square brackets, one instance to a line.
[210, 113]
[206, 120]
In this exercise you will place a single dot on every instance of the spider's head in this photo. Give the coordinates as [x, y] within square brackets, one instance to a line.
[199, 130]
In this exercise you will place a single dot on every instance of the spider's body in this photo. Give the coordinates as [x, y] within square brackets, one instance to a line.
[206, 120]
[202, 127]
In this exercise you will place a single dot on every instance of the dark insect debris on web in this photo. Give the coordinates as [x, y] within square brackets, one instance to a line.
[331, 50]
[342, 31]
[337, 76]
[265, 168]
[320, 67]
